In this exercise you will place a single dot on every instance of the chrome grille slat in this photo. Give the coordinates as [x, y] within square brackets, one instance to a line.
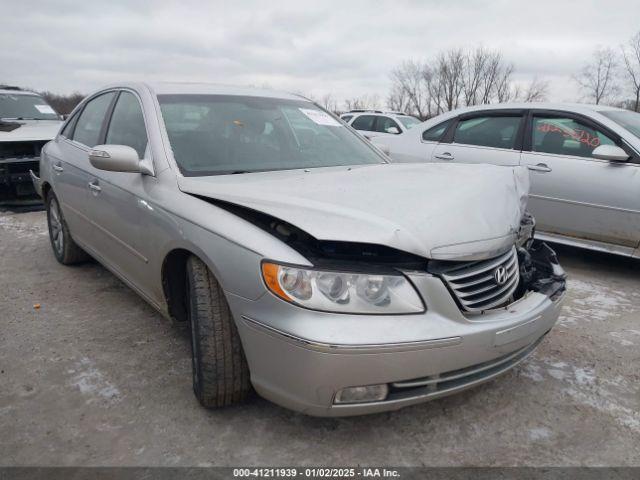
[488, 293]
[479, 267]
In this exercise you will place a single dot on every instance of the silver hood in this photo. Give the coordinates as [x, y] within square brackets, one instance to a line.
[28, 130]
[432, 210]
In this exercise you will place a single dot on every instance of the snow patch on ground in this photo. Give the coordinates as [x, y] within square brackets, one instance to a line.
[20, 229]
[615, 396]
[90, 381]
[626, 338]
[540, 433]
[592, 301]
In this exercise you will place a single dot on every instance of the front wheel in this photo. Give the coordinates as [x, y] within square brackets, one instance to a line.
[66, 251]
[220, 370]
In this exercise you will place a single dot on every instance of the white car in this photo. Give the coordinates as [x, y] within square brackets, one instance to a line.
[376, 123]
[27, 122]
[584, 162]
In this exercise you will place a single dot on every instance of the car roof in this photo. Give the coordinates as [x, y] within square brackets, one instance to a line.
[11, 91]
[194, 88]
[571, 107]
[376, 112]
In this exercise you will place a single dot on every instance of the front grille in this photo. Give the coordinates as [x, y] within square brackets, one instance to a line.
[475, 286]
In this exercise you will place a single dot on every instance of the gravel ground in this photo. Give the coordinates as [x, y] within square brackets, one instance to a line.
[96, 377]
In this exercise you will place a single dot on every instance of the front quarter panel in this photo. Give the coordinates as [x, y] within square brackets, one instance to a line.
[230, 246]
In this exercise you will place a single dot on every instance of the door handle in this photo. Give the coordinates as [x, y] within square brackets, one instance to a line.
[95, 187]
[57, 167]
[541, 167]
[444, 156]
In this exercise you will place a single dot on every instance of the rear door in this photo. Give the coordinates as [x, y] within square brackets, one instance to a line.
[71, 167]
[574, 194]
[493, 137]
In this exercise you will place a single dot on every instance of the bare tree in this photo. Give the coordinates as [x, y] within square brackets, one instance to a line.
[536, 91]
[363, 102]
[596, 78]
[454, 78]
[631, 56]
[398, 100]
[329, 102]
[63, 104]
[449, 72]
[408, 83]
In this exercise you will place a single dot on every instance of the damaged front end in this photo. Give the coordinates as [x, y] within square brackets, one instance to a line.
[540, 271]
[17, 159]
[477, 286]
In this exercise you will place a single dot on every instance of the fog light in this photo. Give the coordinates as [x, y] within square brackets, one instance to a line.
[370, 393]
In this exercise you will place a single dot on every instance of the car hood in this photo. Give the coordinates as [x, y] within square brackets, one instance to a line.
[28, 130]
[433, 210]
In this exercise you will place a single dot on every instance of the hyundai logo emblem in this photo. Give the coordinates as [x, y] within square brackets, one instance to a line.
[500, 275]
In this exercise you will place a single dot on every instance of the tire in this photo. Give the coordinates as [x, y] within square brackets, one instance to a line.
[66, 251]
[220, 370]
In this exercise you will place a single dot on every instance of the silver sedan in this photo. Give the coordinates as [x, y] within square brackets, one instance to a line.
[306, 265]
[584, 162]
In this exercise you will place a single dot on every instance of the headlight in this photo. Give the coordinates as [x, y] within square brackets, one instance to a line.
[342, 292]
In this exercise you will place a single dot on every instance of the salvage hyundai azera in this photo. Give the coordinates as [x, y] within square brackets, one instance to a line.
[307, 266]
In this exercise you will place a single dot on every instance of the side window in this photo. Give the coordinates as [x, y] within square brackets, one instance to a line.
[346, 118]
[565, 136]
[127, 124]
[434, 134]
[90, 122]
[364, 122]
[383, 124]
[488, 131]
[68, 128]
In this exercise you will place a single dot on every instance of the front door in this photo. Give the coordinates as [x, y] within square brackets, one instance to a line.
[574, 194]
[116, 198]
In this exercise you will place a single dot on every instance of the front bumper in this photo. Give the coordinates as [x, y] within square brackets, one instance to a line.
[16, 180]
[301, 358]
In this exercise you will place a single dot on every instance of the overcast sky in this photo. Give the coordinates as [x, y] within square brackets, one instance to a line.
[314, 47]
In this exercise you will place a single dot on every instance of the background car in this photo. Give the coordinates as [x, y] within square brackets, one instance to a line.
[376, 123]
[584, 162]
[27, 122]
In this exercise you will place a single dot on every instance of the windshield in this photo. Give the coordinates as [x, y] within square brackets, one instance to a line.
[409, 122]
[628, 120]
[25, 107]
[222, 134]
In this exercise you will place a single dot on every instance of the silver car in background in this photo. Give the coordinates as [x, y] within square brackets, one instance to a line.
[307, 266]
[27, 122]
[584, 162]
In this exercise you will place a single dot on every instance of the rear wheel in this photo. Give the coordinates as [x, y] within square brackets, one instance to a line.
[220, 370]
[65, 249]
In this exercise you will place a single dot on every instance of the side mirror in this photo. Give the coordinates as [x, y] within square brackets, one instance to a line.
[611, 153]
[115, 158]
[393, 130]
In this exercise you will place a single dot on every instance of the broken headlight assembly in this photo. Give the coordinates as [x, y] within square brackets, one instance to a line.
[342, 292]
